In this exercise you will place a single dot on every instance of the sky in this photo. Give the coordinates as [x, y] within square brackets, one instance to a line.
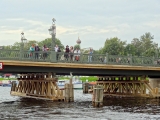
[93, 21]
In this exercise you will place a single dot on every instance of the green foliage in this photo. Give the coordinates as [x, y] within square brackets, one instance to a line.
[77, 47]
[114, 46]
[8, 79]
[144, 46]
[91, 78]
[48, 42]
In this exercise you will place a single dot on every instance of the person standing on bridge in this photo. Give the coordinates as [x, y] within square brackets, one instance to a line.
[31, 49]
[71, 51]
[77, 53]
[90, 55]
[66, 54]
[44, 49]
[37, 49]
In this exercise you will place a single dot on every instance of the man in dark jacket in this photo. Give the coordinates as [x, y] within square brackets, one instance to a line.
[37, 51]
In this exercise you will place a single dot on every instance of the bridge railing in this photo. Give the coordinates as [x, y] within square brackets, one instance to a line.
[45, 56]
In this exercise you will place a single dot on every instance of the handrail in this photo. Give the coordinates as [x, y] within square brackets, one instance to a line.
[79, 58]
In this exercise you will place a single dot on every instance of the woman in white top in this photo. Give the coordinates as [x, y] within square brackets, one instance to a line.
[77, 53]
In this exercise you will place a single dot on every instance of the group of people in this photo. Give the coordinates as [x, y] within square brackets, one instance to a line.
[70, 54]
[34, 51]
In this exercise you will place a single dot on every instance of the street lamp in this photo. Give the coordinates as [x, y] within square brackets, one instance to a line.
[23, 40]
[52, 32]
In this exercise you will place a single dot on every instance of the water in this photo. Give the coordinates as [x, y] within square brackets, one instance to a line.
[16, 108]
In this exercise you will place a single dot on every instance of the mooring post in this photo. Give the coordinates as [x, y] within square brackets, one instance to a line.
[69, 93]
[66, 92]
[71, 88]
[85, 87]
[97, 96]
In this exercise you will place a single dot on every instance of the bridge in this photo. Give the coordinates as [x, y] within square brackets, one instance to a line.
[102, 64]
[37, 80]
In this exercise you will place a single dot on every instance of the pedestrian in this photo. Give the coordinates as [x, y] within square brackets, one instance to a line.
[66, 54]
[31, 49]
[77, 53]
[37, 49]
[58, 51]
[71, 51]
[44, 49]
[90, 55]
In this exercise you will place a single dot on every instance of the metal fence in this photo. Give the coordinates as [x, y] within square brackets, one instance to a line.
[82, 58]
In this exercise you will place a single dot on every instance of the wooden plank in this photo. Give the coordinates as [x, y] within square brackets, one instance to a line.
[17, 93]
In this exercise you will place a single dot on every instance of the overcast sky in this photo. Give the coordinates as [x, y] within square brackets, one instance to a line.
[93, 20]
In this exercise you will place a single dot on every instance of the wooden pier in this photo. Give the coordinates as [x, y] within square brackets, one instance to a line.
[41, 86]
[127, 86]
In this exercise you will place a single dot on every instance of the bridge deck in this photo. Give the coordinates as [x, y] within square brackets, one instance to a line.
[78, 69]
[76, 65]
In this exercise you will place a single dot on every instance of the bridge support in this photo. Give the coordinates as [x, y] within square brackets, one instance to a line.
[41, 86]
[155, 84]
[127, 86]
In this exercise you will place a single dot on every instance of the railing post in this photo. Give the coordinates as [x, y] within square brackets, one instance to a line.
[141, 60]
[153, 62]
[130, 59]
[21, 51]
[53, 57]
[106, 58]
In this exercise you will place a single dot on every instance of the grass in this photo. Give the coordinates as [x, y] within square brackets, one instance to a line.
[94, 78]
[8, 78]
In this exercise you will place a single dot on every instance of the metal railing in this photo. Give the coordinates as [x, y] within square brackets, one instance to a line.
[60, 57]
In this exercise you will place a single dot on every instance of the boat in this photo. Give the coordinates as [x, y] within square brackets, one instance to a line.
[6, 83]
[61, 83]
[77, 84]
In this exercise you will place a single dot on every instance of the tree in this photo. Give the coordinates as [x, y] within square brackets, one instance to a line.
[77, 46]
[113, 46]
[147, 42]
[48, 42]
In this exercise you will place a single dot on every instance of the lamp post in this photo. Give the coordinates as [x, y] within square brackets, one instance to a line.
[52, 32]
[23, 39]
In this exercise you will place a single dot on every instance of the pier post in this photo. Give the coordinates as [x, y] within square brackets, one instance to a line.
[69, 96]
[85, 87]
[69, 90]
[97, 99]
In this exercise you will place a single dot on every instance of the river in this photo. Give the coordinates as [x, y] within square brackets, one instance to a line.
[16, 108]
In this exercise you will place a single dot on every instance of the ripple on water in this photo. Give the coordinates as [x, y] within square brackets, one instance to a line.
[114, 108]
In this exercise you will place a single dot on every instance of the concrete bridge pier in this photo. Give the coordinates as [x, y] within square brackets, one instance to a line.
[155, 84]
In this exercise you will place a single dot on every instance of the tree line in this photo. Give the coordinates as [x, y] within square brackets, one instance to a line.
[142, 46]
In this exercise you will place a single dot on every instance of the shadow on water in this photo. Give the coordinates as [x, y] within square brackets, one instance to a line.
[134, 105]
